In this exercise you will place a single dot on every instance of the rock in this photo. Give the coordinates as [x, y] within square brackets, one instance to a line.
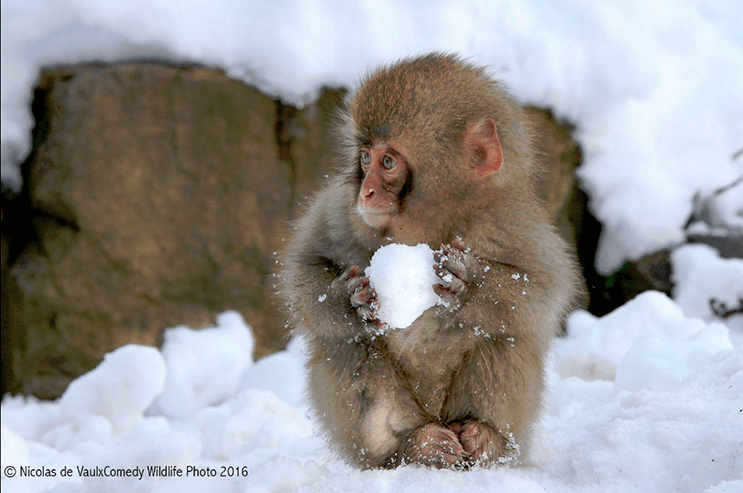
[157, 198]
[728, 242]
[304, 141]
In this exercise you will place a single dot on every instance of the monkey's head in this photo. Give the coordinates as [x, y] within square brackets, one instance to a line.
[425, 132]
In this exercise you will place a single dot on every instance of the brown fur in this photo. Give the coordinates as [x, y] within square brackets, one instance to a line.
[458, 386]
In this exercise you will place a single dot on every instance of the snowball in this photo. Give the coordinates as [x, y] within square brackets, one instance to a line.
[403, 277]
[120, 388]
[205, 366]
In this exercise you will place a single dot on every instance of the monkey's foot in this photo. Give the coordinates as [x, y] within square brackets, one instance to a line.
[433, 445]
[481, 442]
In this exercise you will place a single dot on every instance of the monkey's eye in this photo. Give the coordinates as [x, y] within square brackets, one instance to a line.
[365, 158]
[389, 162]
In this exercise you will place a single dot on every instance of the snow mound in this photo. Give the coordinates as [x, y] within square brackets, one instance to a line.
[119, 389]
[205, 366]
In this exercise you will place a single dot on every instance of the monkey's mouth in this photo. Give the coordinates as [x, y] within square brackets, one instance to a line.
[375, 219]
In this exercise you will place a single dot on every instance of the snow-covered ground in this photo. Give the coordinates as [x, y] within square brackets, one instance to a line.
[647, 398]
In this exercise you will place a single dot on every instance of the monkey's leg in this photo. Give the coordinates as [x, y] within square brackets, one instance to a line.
[495, 398]
[362, 399]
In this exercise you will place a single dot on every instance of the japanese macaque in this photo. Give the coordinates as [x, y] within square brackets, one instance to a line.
[431, 150]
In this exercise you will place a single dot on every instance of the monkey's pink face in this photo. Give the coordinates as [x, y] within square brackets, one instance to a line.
[385, 173]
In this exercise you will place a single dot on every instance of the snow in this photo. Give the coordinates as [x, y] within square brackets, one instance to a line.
[196, 378]
[125, 384]
[403, 278]
[655, 90]
[699, 275]
[645, 398]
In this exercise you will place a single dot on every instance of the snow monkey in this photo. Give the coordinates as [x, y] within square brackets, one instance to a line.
[431, 150]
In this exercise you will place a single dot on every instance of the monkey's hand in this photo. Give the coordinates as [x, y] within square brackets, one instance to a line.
[354, 286]
[460, 271]
[434, 445]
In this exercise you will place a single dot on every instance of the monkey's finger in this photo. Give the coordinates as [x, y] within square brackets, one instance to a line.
[461, 264]
[473, 447]
[451, 451]
[460, 260]
[444, 292]
[358, 283]
[443, 254]
[470, 439]
[376, 326]
[363, 295]
[458, 287]
[446, 438]
[445, 275]
[456, 265]
[472, 428]
[350, 273]
[367, 313]
[345, 284]
[459, 245]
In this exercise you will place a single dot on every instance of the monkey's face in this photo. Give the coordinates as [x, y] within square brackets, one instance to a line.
[384, 175]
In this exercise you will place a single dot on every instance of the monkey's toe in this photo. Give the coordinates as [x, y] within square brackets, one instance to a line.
[480, 441]
[435, 446]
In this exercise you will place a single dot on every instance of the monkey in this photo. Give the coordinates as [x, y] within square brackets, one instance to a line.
[430, 150]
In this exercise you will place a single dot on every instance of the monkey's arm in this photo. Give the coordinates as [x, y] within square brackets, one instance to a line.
[322, 294]
[498, 299]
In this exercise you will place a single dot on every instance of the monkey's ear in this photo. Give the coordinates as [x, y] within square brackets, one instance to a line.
[482, 141]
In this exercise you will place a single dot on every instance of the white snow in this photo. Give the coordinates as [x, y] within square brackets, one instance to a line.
[699, 275]
[403, 278]
[642, 399]
[655, 90]
[121, 388]
[204, 366]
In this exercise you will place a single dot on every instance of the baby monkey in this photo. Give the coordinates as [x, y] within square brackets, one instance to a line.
[431, 150]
